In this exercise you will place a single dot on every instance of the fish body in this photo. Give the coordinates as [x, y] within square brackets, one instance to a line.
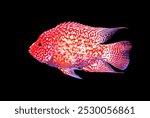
[70, 46]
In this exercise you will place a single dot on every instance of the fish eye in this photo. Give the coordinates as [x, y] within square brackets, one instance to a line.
[39, 44]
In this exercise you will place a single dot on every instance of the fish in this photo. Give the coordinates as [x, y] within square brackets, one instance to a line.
[71, 46]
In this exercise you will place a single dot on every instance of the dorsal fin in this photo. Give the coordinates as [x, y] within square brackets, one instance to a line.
[106, 33]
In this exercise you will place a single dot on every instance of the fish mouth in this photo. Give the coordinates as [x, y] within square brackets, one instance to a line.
[30, 50]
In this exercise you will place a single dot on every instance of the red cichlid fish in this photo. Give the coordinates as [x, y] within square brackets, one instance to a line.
[71, 46]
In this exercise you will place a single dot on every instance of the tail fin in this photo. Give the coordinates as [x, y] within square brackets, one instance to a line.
[117, 54]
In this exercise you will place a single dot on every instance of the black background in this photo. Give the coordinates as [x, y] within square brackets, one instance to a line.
[27, 79]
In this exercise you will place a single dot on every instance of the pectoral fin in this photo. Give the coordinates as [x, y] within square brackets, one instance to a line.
[70, 72]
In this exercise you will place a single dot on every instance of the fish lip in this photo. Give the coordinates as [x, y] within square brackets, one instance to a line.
[31, 47]
[30, 50]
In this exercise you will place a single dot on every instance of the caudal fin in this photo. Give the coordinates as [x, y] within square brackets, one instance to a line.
[117, 54]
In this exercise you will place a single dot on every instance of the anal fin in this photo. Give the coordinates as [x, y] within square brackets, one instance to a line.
[99, 66]
[70, 72]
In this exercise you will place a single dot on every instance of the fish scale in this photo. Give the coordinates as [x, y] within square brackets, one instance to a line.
[71, 45]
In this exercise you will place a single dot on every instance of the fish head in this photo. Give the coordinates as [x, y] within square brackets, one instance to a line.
[41, 49]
